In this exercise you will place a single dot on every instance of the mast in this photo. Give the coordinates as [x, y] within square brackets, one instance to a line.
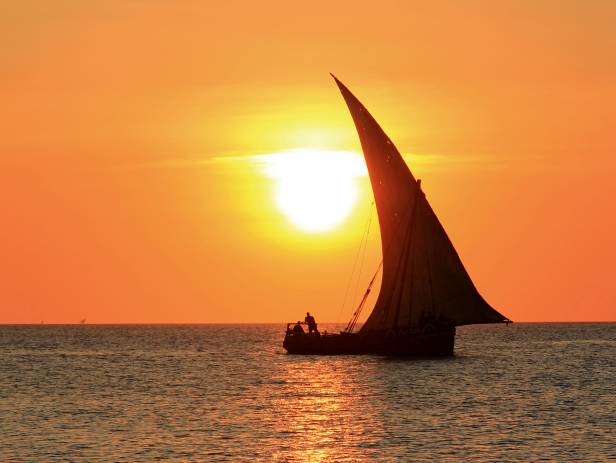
[424, 279]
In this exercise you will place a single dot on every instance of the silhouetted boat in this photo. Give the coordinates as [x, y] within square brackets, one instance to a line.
[425, 290]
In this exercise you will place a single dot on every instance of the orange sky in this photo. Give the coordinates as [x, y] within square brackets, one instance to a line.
[125, 195]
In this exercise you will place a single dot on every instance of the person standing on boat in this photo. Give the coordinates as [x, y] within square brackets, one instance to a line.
[311, 322]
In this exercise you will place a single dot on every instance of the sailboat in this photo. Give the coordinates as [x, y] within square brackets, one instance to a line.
[425, 290]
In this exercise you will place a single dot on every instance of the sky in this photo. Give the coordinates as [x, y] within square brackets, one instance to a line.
[133, 133]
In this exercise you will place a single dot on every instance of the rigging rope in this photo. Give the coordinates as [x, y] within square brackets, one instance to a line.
[357, 313]
[362, 246]
[363, 257]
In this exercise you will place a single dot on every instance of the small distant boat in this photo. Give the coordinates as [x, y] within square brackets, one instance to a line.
[82, 321]
[425, 289]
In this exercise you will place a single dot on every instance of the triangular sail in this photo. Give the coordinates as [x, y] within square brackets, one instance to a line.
[424, 280]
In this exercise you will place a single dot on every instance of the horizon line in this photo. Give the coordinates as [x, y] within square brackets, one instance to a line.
[268, 323]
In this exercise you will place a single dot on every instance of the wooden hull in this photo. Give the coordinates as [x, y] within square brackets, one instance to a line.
[433, 344]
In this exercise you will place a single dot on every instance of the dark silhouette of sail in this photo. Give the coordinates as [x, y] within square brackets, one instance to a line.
[424, 281]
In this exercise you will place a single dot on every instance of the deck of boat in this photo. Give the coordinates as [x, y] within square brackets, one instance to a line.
[440, 343]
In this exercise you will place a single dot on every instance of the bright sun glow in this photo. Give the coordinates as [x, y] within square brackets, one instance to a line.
[315, 189]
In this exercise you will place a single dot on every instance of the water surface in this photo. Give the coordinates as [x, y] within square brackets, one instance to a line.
[223, 393]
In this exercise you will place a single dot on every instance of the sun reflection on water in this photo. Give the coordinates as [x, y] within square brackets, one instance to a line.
[314, 407]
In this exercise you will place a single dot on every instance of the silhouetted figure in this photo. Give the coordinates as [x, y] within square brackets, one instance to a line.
[297, 329]
[312, 324]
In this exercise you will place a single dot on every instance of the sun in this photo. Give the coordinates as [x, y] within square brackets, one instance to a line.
[315, 189]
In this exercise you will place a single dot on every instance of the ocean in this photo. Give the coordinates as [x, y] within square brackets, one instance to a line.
[229, 393]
